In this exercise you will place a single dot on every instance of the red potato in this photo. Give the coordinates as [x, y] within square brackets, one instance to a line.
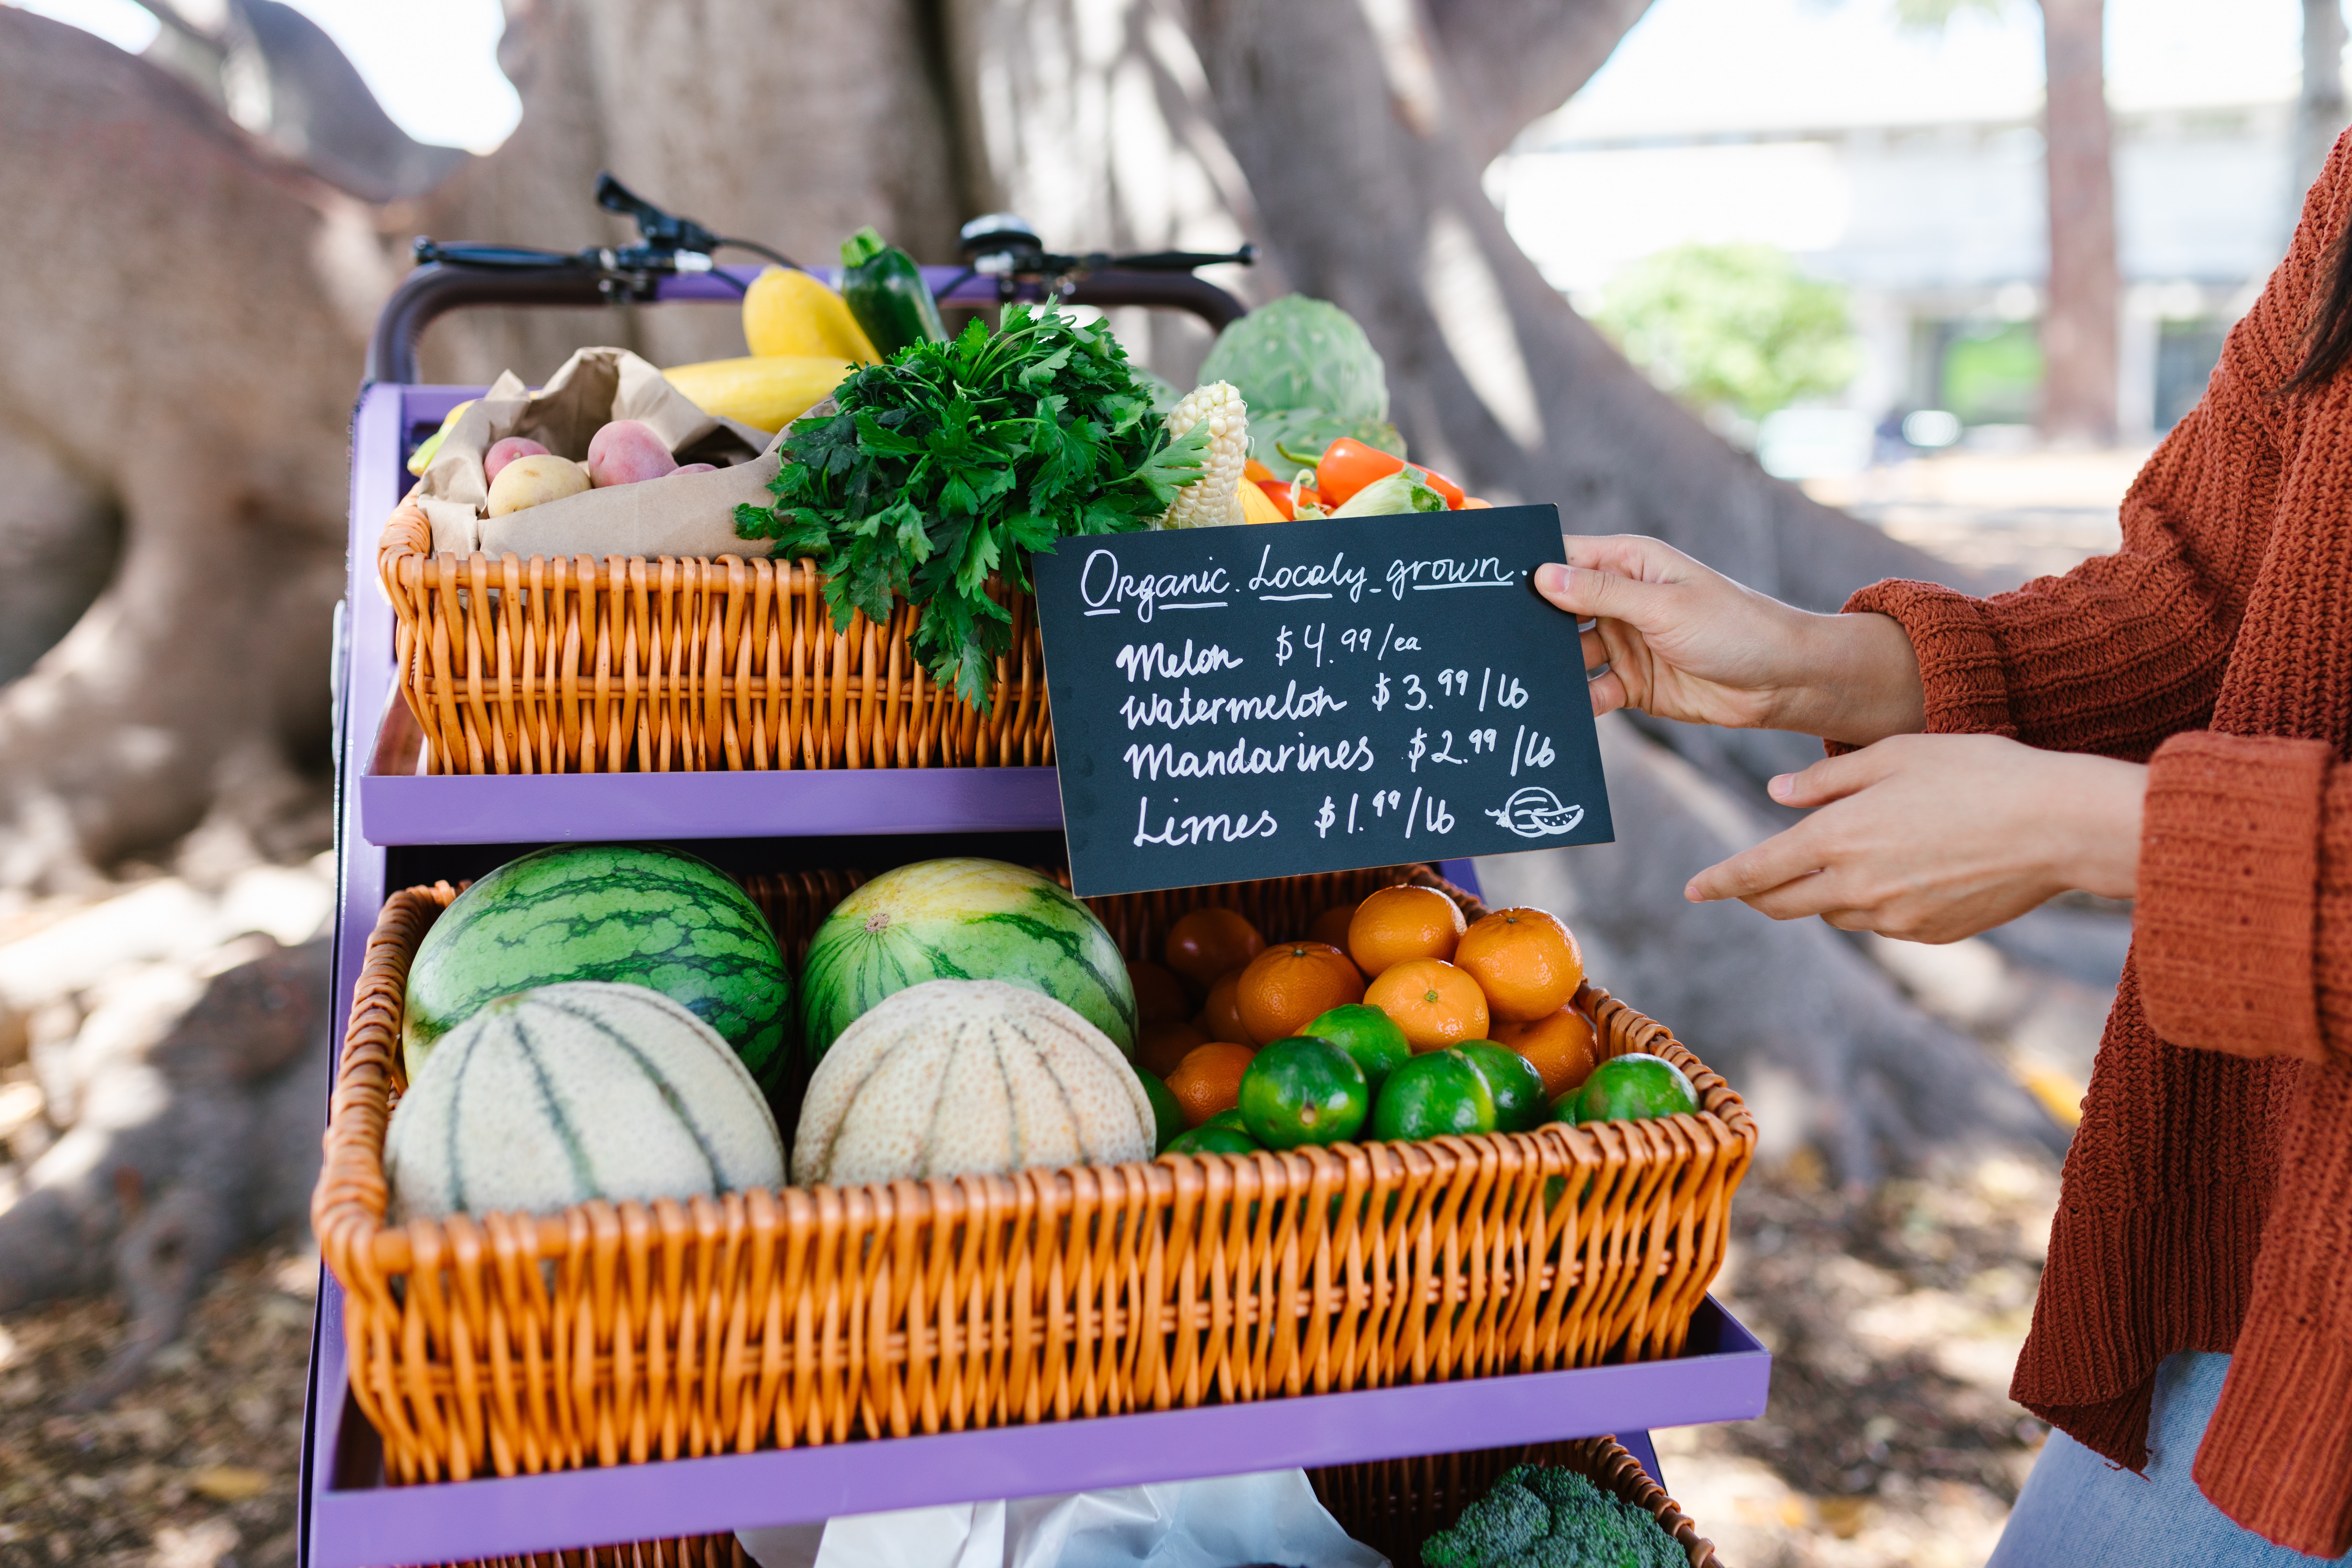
[503, 452]
[627, 452]
[695, 468]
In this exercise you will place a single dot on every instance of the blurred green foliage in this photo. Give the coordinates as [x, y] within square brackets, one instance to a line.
[1934, 14]
[1993, 374]
[1731, 326]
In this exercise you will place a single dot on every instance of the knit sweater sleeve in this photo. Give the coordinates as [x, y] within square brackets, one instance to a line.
[2129, 649]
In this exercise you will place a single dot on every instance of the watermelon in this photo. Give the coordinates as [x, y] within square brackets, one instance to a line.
[576, 1091]
[606, 911]
[962, 919]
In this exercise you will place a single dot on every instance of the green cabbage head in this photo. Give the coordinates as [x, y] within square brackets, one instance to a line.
[1303, 356]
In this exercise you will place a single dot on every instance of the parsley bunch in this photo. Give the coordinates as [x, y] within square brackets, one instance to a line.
[956, 460]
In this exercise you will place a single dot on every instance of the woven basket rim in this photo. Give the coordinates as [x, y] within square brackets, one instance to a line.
[349, 1206]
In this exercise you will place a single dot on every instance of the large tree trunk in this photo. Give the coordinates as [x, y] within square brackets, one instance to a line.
[2079, 312]
[1337, 142]
[174, 341]
[792, 125]
[1335, 133]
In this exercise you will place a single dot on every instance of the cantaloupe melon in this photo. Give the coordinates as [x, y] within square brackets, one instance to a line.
[584, 1090]
[960, 1076]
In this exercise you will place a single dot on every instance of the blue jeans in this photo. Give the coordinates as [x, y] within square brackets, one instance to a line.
[2079, 1510]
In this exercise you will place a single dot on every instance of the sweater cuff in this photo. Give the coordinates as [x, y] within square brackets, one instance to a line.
[2229, 876]
[1960, 668]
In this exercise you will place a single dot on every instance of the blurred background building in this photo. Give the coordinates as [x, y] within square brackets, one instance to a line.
[1902, 163]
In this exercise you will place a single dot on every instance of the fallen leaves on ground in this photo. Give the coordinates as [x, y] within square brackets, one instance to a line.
[1894, 1319]
[193, 1467]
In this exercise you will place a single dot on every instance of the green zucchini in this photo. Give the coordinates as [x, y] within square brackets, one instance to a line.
[886, 293]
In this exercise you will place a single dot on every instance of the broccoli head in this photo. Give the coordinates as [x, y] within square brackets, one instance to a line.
[1539, 1516]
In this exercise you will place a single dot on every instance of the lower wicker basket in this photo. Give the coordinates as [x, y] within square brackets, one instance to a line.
[1391, 1505]
[621, 1332]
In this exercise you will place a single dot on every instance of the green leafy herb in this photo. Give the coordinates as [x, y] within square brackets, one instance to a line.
[956, 460]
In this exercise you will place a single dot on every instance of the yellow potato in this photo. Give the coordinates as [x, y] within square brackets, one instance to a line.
[529, 481]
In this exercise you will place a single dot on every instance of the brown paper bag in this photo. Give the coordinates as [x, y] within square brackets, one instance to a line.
[681, 515]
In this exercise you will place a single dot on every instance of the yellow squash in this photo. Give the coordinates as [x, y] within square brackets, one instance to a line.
[790, 312]
[768, 393]
[1257, 505]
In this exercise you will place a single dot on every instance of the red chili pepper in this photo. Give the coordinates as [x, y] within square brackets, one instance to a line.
[1282, 496]
[1347, 466]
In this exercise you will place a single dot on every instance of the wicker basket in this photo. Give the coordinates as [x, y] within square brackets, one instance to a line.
[615, 1332]
[569, 664]
[1391, 1506]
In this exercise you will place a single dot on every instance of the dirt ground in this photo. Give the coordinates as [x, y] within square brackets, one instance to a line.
[194, 1467]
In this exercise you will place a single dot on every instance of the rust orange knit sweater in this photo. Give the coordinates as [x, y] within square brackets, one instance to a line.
[2207, 1202]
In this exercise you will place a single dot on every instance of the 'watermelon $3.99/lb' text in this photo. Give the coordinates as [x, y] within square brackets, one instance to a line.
[621, 912]
[962, 919]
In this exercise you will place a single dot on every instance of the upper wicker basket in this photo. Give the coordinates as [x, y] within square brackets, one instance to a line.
[573, 665]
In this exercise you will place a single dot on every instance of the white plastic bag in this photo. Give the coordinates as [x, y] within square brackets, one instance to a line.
[1269, 1517]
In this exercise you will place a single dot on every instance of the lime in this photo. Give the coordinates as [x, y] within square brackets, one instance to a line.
[1516, 1083]
[1167, 1115]
[1367, 1034]
[1214, 1140]
[1435, 1092]
[1632, 1088]
[1231, 1119]
[1303, 1090]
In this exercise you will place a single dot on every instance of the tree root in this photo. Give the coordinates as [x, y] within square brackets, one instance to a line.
[202, 1143]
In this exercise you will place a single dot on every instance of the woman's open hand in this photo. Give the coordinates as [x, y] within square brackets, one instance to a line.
[1680, 640]
[1934, 838]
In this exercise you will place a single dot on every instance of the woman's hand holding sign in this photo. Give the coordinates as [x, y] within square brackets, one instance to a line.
[1928, 837]
[1680, 640]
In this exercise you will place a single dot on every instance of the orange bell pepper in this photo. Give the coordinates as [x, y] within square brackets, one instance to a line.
[1289, 497]
[1347, 466]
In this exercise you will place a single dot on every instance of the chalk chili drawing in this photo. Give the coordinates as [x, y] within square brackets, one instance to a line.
[1245, 702]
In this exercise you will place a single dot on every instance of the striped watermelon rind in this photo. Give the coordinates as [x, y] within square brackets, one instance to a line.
[625, 913]
[961, 919]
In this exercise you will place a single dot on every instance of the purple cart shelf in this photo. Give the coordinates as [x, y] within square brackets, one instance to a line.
[351, 1519]
[594, 807]
[357, 1522]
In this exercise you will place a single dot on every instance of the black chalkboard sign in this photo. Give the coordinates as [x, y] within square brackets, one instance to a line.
[1233, 703]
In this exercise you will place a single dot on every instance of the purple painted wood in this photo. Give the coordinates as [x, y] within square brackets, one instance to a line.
[1463, 874]
[377, 482]
[463, 809]
[1724, 1379]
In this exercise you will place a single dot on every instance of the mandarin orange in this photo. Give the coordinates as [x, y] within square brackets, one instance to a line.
[1564, 1047]
[1399, 923]
[1163, 1042]
[1209, 1079]
[1526, 962]
[1219, 1018]
[1433, 1003]
[1287, 986]
[1159, 994]
[1205, 943]
[1331, 926]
